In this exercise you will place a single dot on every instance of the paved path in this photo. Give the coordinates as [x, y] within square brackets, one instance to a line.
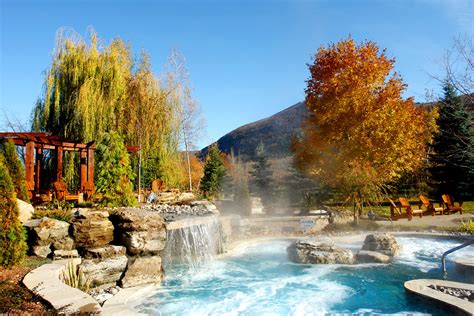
[451, 221]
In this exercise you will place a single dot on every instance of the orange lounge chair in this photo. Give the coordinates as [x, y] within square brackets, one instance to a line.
[409, 210]
[61, 192]
[395, 211]
[449, 204]
[430, 208]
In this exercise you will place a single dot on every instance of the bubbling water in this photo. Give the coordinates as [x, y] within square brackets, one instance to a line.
[257, 278]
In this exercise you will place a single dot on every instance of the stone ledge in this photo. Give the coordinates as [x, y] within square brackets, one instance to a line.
[420, 287]
[465, 264]
[117, 305]
[44, 281]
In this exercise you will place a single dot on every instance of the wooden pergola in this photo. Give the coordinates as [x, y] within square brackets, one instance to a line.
[36, 142]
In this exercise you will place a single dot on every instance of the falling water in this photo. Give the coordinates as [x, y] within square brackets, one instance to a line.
[191, 243]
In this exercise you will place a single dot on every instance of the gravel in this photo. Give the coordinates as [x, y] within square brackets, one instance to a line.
[463, 294]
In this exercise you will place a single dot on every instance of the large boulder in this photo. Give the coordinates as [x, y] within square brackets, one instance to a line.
[140, 231]
[48, 234]
[365, 256]
[26, 210]
[185, 198]
[166, 197]
[142, 270]
[92, 228]
[104, 265]
[383, 243]
[320, 252]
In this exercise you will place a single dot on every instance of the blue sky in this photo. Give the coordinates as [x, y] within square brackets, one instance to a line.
[246, 59]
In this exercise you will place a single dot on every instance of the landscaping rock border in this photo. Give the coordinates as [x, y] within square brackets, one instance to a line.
[44, 281]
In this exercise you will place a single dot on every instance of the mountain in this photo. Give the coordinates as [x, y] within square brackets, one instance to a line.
[277, 131]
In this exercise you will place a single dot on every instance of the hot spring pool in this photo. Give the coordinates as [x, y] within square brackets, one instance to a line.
[258, 279]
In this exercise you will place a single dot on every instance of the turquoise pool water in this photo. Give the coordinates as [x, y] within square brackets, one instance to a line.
[258, 279]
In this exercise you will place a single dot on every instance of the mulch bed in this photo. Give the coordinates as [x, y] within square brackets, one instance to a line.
[15, 298]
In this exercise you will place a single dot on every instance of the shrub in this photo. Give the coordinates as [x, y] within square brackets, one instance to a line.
[467, 227]
[113, 172]
[73, 276]
[15, 169]
[59, 214]
[12, 234]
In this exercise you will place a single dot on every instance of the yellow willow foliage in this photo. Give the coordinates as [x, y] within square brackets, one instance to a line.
[360, 133]
[91, 88]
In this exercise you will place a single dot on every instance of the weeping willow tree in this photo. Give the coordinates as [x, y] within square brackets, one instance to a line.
[92, 88]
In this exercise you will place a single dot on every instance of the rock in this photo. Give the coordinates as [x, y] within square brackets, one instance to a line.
[104, 252]
[144, 242]
[47, 233]
[316, 251]
[141, 231]
[104, 271]
[67, 243]
[209, 206]
[365, 256]
[92, 228]
[101, 298]
[65, 254]
[185, 198]
[48, 230]
[26, 210]
[142, 270]
[166, 197]
[41, 251]
[383, 243]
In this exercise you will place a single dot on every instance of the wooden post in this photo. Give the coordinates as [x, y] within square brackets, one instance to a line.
[90, 168]
[83, 174]
[39, 158]
[30, 162]
[59, 163]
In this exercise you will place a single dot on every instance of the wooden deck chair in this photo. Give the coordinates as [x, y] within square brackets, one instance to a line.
[157, 186]
[409, 210]
[61, 192]
[395, 211]
[449, 206]
[430, 208]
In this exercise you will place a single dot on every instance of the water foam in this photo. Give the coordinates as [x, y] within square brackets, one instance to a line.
[257, 278]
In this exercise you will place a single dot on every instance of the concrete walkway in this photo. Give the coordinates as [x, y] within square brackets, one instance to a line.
[428, 222]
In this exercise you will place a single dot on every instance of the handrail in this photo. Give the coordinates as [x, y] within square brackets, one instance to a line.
[443, 258]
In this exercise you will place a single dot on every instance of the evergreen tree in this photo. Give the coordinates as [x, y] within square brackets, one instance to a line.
[214, 172]
[113, 171]
[261, 177]
[452, 157]
[241, 187]
[302, 190]
[12, 235]
[15, 169]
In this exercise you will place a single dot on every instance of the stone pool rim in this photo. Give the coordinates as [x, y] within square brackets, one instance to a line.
[421, 287]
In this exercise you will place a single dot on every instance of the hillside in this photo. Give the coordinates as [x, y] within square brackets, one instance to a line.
[278, 130]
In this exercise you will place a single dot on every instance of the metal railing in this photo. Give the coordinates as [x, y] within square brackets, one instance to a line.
[443, 258]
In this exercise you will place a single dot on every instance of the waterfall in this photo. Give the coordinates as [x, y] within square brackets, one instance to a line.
[191, 243]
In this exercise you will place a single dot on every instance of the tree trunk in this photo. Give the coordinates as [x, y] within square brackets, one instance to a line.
[356, 214]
